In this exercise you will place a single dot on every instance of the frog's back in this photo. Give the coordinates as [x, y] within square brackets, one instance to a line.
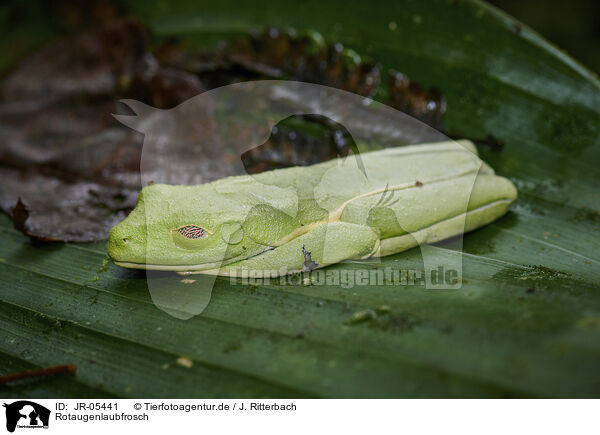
[330, 186]
[341, 179]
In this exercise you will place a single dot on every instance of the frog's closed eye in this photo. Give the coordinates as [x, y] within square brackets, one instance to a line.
[192, 232]
[190, 236]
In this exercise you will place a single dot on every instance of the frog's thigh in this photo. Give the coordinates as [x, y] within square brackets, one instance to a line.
[329, 244]
[445, 229]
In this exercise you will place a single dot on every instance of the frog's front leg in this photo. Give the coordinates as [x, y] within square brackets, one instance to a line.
[327, 243]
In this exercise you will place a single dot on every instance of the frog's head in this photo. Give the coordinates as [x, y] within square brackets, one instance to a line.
[184, 228]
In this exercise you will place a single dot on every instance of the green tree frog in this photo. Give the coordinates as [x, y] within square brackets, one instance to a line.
[373, 204]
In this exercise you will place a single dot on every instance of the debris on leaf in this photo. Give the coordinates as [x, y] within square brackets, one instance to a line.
[184, 361]
[361, 316]
[67, 369]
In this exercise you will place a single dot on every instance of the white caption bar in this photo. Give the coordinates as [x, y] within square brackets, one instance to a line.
[299, 416]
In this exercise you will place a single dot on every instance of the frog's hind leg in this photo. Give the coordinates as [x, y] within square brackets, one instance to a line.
[427, 213]
[445, 229]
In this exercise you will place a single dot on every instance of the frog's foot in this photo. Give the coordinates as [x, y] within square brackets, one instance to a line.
[387, 198]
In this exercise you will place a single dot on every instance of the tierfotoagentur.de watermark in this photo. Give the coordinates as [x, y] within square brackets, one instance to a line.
[350, 278]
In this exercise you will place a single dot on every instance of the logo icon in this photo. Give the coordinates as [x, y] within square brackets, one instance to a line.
[26, 414]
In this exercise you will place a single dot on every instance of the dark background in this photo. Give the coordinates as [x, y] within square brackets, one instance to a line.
[572, 25]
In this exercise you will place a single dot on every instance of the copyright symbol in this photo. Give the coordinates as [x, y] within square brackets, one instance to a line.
[137, 406]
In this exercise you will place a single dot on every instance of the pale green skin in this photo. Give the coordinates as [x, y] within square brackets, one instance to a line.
[334, 209]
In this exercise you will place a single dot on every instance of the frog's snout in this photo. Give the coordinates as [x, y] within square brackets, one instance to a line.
[125, 244]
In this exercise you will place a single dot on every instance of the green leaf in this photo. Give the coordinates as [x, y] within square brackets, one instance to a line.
[525, 323]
